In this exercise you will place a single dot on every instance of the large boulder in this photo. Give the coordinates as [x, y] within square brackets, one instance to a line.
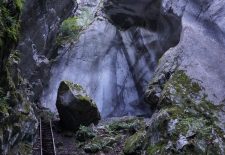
[75, 107]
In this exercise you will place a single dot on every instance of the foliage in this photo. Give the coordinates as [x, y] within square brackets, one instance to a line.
[84, 133]
[130, 125]
[14, 57]
[72, 26]
[9, 27]
[9, 23]
[19, 4]
[3, 98]
[99, 143]
[135, 143]
[3, 104]
[69, 30]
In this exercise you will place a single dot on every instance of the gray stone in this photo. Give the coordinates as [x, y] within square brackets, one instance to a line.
[40, 22]
[194, 91]
[75, 108]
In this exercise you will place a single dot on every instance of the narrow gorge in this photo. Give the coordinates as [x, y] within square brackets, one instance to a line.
[132, 77]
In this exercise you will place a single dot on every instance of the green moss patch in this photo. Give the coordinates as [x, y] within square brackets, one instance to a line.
[84, 133]
[71, 27]
[130, 125]
[190, 126]
[180, 88]
[135, 143]
[156, 149]
[99, 143]
[69, 31]
[116, 136]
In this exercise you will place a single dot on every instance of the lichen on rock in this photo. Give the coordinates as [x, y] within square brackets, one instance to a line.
[196, 129]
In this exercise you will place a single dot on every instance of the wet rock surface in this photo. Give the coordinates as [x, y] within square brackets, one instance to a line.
[17, 119]
[75, 108]
[115, 64]
[37, 46]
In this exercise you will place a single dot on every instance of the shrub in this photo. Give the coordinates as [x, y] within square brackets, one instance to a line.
[69, 30]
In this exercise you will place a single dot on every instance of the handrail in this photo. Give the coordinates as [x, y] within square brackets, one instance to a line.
[40, 132]
[43, 126]
[53, 141]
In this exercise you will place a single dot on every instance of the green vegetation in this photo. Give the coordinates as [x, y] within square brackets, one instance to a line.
[186, 115]
[99, 143]
[85, 99]
[81, 94]
[180, 88]
[156, 149]
[84, 133]
[14, 109]
[3, 98]
[69, 30]
[14, 57]
[25, 148]
[9, 33]
[19, 4]
[9, 22]
[73, 86]
[71, 27]
[130, 125]
[114, 134]
[135, 143]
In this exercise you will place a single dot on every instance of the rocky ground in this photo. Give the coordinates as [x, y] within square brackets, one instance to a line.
[114, 136]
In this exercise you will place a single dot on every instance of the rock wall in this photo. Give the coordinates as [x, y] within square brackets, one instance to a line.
[187, 91]
[112, 49]
[32, 26]
[40, 23]
[17, 119]
[115, 55]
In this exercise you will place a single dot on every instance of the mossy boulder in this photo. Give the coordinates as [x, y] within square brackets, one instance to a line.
[75, 107]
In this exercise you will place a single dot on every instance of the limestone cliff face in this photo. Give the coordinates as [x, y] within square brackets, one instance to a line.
[37, 46]
[115, 54]
[113, 49]
[17, 120]
[187, 91]
[32, 27]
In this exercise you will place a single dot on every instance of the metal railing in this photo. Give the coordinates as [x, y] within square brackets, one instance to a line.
[47, 142]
